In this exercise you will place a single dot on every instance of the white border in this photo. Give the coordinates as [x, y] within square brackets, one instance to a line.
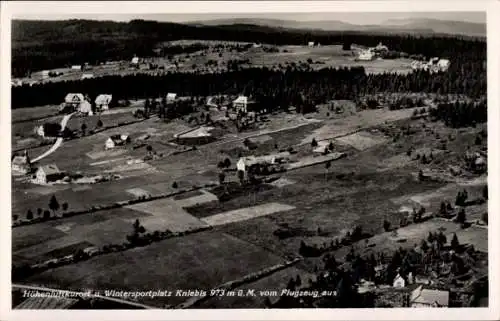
[9, 9]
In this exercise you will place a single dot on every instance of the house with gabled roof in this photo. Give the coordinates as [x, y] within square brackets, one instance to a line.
[102, 101]
[48, 173]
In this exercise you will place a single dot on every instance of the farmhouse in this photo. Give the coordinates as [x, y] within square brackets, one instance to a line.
[310, 43]
[102, 101]
[249, 163]
[48, 173]
[117, 140]
[21, 163]
[76, 67]
[171, 97]
[240, 104]
[425, 298]
[366, 55]
[73, 100]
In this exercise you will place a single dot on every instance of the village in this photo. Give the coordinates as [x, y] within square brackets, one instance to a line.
[375, 198]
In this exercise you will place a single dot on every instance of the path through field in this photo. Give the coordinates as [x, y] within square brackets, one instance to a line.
[58, 142]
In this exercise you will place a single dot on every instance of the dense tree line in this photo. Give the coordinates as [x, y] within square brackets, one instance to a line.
[461, 114]
[270, 87]
[41, 45]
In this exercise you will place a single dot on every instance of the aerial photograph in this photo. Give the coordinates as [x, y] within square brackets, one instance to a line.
[249, 161]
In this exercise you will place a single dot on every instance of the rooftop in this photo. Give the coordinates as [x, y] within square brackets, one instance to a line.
[50, 169]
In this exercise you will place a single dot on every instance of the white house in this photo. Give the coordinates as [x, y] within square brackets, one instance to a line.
[85, 108]
[171, 97]
[102, 101]
[443, 64]
[366, 55]
[21, 163]
[310, 44]
[399, 282]
[135, 61]
[116, 140]
[48, 173]
[426, 298]
[240, 104]
[87, 76]
[40, 131]
[76, 67]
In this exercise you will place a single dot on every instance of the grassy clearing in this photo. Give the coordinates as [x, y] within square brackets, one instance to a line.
[473, 235]
[43, 240]
[362, 140]
[166, 215]
[23, 114]
[190, 262]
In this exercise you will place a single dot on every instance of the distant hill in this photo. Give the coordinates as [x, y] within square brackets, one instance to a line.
[412, 26]
[39, 45]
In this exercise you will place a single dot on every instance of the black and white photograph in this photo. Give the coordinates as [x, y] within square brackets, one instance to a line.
[214, 160]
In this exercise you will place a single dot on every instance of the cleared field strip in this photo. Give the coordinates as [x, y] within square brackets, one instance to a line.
[244, 214]
[361, 140]
[167, 214]
[206, 197]
[311, 160]
[356, 123]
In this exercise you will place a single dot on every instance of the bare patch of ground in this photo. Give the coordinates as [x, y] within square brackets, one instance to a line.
[244, 214]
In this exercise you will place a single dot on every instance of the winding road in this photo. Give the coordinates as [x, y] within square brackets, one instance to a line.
[58, 142]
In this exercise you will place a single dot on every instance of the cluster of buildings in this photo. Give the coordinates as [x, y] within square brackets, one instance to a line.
[82, 104]
[434, 65]
[22, 165]
[117, 140]
[373, 52]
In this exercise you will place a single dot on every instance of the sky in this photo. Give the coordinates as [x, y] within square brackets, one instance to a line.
[353, 18]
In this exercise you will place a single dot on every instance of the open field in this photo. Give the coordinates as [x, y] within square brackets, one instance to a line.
[361, 140]
[166, 215]
[190, 262]
[26, 114]
[40, 241]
